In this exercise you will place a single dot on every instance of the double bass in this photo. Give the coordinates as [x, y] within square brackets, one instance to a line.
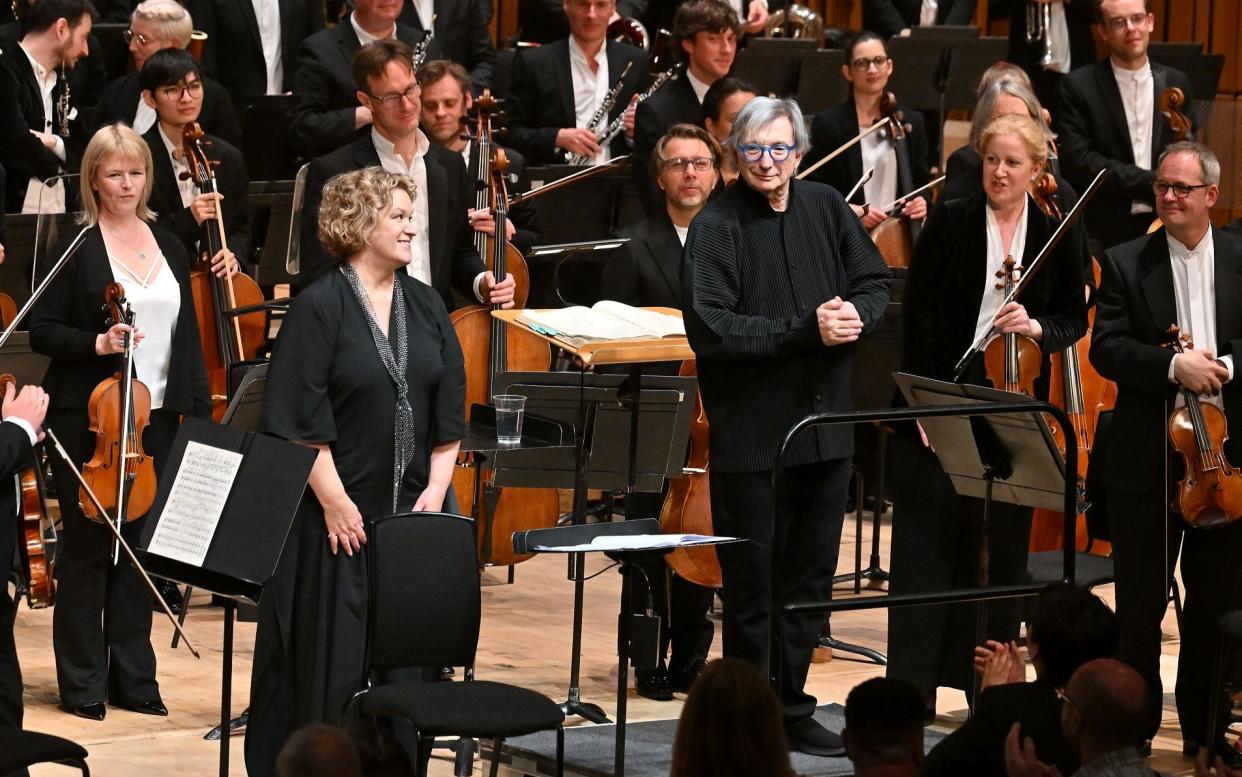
[488, 349]
[32, 530]
[226, 339]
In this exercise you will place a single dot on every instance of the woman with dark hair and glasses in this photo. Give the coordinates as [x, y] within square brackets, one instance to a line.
[868, 69]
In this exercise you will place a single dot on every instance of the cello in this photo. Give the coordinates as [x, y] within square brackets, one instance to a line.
[226, 339]
[489, 348]
[119, 472]
[895, 240]
[34, 527]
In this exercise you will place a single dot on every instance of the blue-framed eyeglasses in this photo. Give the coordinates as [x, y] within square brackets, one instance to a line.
[753, 152]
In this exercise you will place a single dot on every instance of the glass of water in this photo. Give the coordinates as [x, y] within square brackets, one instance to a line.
[509, 408]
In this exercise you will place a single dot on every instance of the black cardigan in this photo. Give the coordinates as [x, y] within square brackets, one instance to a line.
[67, 319]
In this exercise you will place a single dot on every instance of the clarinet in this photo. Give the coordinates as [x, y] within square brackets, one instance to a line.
[62, 104]
[420, 48]
[618, 124]
[601, 113]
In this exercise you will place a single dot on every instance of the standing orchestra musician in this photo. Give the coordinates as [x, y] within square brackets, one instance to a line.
[1062, 29]
[21, 426]
[778, 278]
[173, 86]
[646, 271]
[721, 105]
[444, 256]
[557, 88]
[368, 371]
[896, 17]
[101, 627]
[952, 297]
[460, 34]
[868, 68]
[1185, 274]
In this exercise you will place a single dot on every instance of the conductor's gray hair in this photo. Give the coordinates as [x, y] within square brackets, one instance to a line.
[1208, 163]
[759, 113]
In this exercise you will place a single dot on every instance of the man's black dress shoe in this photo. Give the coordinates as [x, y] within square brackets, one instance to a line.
[681, 681]
[653, 684]
[155, 707]
[93, 711]
[808, 736]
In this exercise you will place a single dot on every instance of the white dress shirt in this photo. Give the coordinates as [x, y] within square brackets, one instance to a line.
[879, 154]
[144, 118]
[997, 252]
[1194, 288]
[420, 246]
[365, 37]
[267, 13]
[156, 300]
[700, 88]
[590, 89]
[426, 10]
[185, 186]
[681, 234]
[40, 198]
[1058, 38]
[1138, 99]
[927, 13]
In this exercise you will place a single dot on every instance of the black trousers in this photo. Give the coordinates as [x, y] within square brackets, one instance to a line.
[101, 625]
[806, 554]
[11, 710]
[1146, 538]
[935, 547]
[681, 605]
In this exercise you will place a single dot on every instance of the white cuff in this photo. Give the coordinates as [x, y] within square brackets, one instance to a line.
[59, 149]
[27, 428]
[1172, 362]
[478, 287]
[1227, 360]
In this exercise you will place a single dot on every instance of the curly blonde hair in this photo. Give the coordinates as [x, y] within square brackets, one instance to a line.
[352, 205]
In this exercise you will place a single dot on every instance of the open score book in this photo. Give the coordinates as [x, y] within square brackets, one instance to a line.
[605, 320]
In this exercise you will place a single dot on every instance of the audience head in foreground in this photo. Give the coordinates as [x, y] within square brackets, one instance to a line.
[319, 751]
[884, 728]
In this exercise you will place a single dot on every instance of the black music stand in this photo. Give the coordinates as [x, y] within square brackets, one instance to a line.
[246, 543]
[646, 442]
[1011, 459]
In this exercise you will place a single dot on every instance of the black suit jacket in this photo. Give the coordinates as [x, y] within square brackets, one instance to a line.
[834, 126]
[15, 453]
[461, 34]
[674, 102]
[21, 109]
[231, 181]
[1092, 130]
[543, 21]
[647, 270]
[1078, 19]
[1134, 309]
[944, 289]
[233, 52]
[454, 261]
[542, 96]
[889, 17]
[67, 319]
[326, 97]
[120, 103]
[978, 746]
[523, 215]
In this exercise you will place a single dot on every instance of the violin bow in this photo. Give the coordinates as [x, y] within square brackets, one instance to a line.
[116, 535]
[906, 198]
[861, 183]
[571, 178]
[1070, 220]
[879, 125]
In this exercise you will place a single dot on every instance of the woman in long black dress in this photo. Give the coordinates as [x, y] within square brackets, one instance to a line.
[101, 627]
[367, 369]
[951, 298]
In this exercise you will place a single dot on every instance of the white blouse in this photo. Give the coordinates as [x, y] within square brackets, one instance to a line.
[156, 300]
[997, 251]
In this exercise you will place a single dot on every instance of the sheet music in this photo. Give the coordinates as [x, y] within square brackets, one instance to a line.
[195, 503]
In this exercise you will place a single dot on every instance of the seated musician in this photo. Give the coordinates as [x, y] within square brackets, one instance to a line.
[951, 299]
[446, 102]
[21, 427]
[34, 119]
[542, 124]
[896, 17]
[326, 113]
[720, 107]
[1183, 274]
[647, 272]
[115, 664]
[444, 256]
[867, 68]
[158, 25]
[461, 34]
[965, 160]
[705, 34]
[173, 87]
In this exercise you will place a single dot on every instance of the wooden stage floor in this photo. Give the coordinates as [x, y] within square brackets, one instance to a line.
[525, 640]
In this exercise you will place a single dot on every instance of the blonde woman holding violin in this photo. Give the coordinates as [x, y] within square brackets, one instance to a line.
[952, 298]
[101, 627]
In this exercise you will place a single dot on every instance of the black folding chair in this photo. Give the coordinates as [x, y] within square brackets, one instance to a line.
[423, 611]
[20, 749]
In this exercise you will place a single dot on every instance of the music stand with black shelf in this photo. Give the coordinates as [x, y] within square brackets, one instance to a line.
[245, 544]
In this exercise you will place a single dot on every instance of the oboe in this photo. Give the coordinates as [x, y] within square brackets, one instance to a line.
[420, 48]
[614, 128]
[601, 113]
[62, 104]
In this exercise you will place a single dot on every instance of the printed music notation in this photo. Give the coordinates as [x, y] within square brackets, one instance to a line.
[195, 503]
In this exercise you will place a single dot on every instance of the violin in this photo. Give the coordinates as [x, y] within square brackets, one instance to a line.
[488, 349]
[1210, 494]
[687, 507]
[1171, 101]
[1012, 361]
[35, 525]
[8, 310]
[226, 339]
[120, 472]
